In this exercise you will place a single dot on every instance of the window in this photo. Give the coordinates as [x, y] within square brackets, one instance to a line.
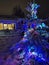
[13, 25]
[1, 26]
[10, 26]
[5, 26]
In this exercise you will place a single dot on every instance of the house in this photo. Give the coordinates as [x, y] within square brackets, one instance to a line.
[7, 24]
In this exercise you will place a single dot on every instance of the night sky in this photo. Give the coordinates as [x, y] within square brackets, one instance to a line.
[6, 6]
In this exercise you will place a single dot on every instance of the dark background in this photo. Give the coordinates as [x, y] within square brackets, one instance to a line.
[6, 7]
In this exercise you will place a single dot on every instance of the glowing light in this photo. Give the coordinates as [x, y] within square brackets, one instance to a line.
[31, 30]
[25, 36]
[34, 53]
[19, 49]
[34, 7]
[5, 26]
[1, 26]
[43, 59]
[10, 26]
[43, 25]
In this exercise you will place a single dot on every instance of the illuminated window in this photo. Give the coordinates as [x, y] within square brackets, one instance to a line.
[1, 26]
[5, 26]
[10, 26]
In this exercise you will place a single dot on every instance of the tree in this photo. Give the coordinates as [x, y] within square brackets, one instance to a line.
[32, 10]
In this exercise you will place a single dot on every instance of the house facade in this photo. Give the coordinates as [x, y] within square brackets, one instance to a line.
[7, 24]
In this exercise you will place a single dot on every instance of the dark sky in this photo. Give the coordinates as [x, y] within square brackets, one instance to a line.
[44, 8]
[6, 6]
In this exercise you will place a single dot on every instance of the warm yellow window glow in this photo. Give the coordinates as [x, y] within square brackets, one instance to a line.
[10, 27]
[5, 26]
[1, 26]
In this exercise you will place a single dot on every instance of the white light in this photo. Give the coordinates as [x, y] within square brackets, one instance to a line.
[34, 53]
